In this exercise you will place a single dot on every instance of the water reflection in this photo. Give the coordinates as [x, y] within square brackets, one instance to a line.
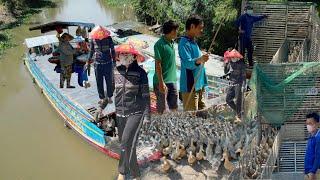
[91, 11]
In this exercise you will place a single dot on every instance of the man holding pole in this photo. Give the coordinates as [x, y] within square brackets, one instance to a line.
[193, 76]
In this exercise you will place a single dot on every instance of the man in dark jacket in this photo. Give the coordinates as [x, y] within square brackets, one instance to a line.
[103, 54]
[245, 25]
[132, 101]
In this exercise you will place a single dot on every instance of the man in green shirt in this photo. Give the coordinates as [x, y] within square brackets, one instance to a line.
[165, 78]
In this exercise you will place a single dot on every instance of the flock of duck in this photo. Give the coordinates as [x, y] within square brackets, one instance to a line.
[180, 135]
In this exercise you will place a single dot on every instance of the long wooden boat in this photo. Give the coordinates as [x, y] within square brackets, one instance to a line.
[78, 106]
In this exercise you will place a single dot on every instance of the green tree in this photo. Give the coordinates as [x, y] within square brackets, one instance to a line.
[213, 12]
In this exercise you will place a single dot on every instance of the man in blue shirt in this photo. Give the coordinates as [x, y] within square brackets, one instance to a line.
[245, 25]
[193, 72]
[312, 156]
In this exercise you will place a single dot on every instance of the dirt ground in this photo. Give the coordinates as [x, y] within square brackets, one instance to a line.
[5, 16]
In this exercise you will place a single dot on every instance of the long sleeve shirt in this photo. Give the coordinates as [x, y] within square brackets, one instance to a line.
[189, 53]
[102, 50]
[246, 22]
[237, 72]
[312, 156]
[132, 90]
[66, 53]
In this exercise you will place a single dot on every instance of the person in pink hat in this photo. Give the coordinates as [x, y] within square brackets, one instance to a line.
[103, 55]
[236, 69]
[132, 101]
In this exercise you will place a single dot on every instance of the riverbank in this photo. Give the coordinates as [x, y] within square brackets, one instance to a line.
[10, 19]
[6, 18]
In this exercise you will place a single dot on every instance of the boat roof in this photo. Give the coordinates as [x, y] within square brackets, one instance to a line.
[53, 25]
[41, 40]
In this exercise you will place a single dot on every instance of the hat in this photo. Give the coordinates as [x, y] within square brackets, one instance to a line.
[99, 33]
[233, 54]
[64, 35]
[129, 49]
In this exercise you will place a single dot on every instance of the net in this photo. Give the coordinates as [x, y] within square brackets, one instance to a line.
[284, 92]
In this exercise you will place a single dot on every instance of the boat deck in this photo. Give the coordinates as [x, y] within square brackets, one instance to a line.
[88, 100]
[86, 97]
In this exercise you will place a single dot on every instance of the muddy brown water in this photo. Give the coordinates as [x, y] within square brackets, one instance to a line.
[34, 144]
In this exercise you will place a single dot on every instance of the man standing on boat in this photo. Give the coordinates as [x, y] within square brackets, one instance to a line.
[66, 59]
[103, 54]
[132, 103]
[245, 25]
[193, 77]
[165, 78]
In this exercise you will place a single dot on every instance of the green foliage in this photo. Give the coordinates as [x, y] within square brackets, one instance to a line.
[117, 2]
[5, 42]
[23, 7]
[22, 10]
[213, 12]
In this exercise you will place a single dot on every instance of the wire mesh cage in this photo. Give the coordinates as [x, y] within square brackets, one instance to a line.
[287, 91]
[291, 21]
[314, 53]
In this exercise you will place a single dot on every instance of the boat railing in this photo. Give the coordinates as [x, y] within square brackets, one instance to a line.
[78, 115]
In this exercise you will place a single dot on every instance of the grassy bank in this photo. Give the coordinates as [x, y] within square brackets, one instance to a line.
[118, 2]
[14, 13]
[5, 41]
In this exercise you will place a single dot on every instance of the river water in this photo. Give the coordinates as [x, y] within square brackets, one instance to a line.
[34, 144]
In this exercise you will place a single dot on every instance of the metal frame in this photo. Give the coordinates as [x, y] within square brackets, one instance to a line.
[282, 25]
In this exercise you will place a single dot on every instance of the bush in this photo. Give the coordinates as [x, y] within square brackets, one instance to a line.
[21, 7]
[5, 42]
[213, 12]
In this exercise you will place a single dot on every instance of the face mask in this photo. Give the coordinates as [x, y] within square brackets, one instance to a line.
[125, 59]
[311, 128]
[250, 11]
[234, 59]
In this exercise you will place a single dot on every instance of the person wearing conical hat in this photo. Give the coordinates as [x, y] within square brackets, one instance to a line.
[237, 75]
[103, 55]
[132, 101]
